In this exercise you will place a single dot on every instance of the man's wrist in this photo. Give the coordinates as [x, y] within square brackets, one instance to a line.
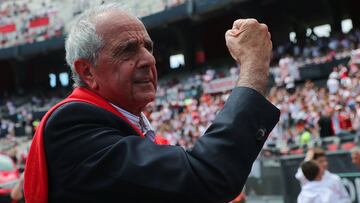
[256, 81]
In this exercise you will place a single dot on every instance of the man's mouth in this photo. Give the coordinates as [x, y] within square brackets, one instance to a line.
[145, 81]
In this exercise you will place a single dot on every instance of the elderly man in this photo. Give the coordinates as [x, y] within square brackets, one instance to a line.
[96, 145]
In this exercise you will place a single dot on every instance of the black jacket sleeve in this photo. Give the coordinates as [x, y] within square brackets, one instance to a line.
[94, 156]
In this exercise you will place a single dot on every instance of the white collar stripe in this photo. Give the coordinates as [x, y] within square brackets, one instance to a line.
[141, 122]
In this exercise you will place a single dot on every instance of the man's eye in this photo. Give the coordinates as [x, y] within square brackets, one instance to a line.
[125, 58]
[149, 47]
[127, 55]
[130, 50]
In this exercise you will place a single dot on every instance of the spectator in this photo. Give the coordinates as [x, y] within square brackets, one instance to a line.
[355, 156]
[315, 190]
[328, 180]
[17, 193]
[325, 124]
[333, 83]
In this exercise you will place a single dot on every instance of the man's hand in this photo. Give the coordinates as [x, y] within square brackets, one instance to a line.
[309, 155]
[249, 43]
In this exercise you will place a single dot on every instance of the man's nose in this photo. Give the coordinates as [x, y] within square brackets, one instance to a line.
[146, 57]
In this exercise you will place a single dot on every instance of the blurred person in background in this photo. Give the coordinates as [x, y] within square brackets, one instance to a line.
[355, 156]
[17, 193]
[333, 82]
[315, 191]
[324, 123]
[328, 180]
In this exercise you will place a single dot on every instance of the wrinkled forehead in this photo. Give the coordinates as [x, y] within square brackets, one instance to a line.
[117, 25]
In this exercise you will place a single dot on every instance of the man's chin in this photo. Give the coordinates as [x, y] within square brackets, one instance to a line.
[146, 98]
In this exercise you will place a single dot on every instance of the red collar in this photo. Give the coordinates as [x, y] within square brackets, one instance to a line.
[36, 176]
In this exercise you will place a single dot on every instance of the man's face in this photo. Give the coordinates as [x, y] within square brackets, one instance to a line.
[323, 163]
[125, 71]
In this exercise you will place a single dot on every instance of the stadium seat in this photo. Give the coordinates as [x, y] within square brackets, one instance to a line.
[297, 151]
[332, 147]
[348, 146]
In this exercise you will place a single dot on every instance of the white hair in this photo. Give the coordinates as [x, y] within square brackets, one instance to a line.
[83, 42]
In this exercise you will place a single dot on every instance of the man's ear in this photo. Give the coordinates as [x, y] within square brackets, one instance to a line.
[86, 73]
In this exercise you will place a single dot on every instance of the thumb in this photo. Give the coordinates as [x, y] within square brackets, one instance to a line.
[233, 32]
[230, 37]
[230, 40]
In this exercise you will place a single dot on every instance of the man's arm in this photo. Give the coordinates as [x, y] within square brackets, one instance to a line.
[299, 174]
[89, 153]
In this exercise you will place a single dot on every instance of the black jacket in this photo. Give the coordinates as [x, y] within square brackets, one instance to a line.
[94, 156]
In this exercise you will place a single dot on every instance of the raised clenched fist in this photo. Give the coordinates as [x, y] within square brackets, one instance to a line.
[249, 43]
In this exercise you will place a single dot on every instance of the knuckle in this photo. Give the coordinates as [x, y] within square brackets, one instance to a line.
[237, 22]
[227, 32]
[252, 21]
[264, 27]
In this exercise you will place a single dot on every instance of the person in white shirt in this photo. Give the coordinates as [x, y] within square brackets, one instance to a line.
[315, 191]
[329, 180]
[333, 83]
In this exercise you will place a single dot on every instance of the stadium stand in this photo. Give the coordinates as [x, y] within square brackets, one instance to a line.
[27, 21]
[182, 102]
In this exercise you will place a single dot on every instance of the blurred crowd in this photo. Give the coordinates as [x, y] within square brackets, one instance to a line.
[137, 7]
[289, 57]
[24, 21]
[318, 49]
[28, 21]
[19, 118]
[182, 123]
[309, 112]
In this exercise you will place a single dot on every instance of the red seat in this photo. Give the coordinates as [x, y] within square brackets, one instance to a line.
[332, 147]
[297, 151]
[348, 146]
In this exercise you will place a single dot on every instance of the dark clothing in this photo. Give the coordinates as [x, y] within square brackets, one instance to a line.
[325, 125]
[92, 155]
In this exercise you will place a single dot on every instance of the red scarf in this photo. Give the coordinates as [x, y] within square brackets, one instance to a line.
[36, 177]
